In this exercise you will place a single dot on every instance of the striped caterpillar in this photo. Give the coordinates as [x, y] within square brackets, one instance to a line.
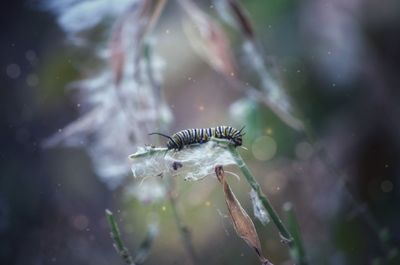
[198, 136]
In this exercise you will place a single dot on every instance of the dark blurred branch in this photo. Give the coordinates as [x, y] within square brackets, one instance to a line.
[183, 229]
[144, 250]
[271, 92]
[382, 233]
[269, 84]
[242, 18]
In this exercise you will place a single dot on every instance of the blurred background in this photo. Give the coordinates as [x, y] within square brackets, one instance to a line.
[84, 82]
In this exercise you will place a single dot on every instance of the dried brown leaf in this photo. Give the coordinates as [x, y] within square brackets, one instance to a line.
[117, 53]
[208, 39]
[242, 223]
[141, 17]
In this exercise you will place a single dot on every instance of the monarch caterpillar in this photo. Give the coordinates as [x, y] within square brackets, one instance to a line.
[198, 136]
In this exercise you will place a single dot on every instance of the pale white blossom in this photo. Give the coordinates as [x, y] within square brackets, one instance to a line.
[194, 162]
[121, 102]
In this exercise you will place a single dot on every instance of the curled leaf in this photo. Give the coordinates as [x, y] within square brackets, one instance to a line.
[208, 39]
[129, 32]
[242, 223]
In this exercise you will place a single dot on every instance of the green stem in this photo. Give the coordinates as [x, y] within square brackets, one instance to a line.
[297, 252]
[285, 234]
[149, 151]
[287, 238]
[118, 243]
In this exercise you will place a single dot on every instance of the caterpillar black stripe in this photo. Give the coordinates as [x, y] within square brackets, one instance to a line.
[201, 135]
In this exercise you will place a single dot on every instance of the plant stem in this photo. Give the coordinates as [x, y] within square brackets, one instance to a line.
[149, 151]
[284, 232]
[297, 252]
[118, 243]
[184, 231]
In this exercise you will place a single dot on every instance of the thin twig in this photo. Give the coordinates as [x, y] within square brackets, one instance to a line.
[149, 151]
[118, 243]
[144, 250]
[183, 229]
[248, 32]
[381, 233]
[285, 234]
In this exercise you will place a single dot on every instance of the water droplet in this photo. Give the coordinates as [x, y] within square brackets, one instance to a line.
[80, 222]
[32, 80]
[30, 56]
[13, 70]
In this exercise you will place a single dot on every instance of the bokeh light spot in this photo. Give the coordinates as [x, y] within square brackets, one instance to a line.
[264, 148]
[13, 70]
[387, 186]
[32, 80]
[30, 56]
[80, 222]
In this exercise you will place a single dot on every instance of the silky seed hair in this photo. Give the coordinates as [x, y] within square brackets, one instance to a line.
[202, 135]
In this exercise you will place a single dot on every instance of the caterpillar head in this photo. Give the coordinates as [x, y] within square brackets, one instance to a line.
[238, 138]
[172, 145]
[237, 141]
